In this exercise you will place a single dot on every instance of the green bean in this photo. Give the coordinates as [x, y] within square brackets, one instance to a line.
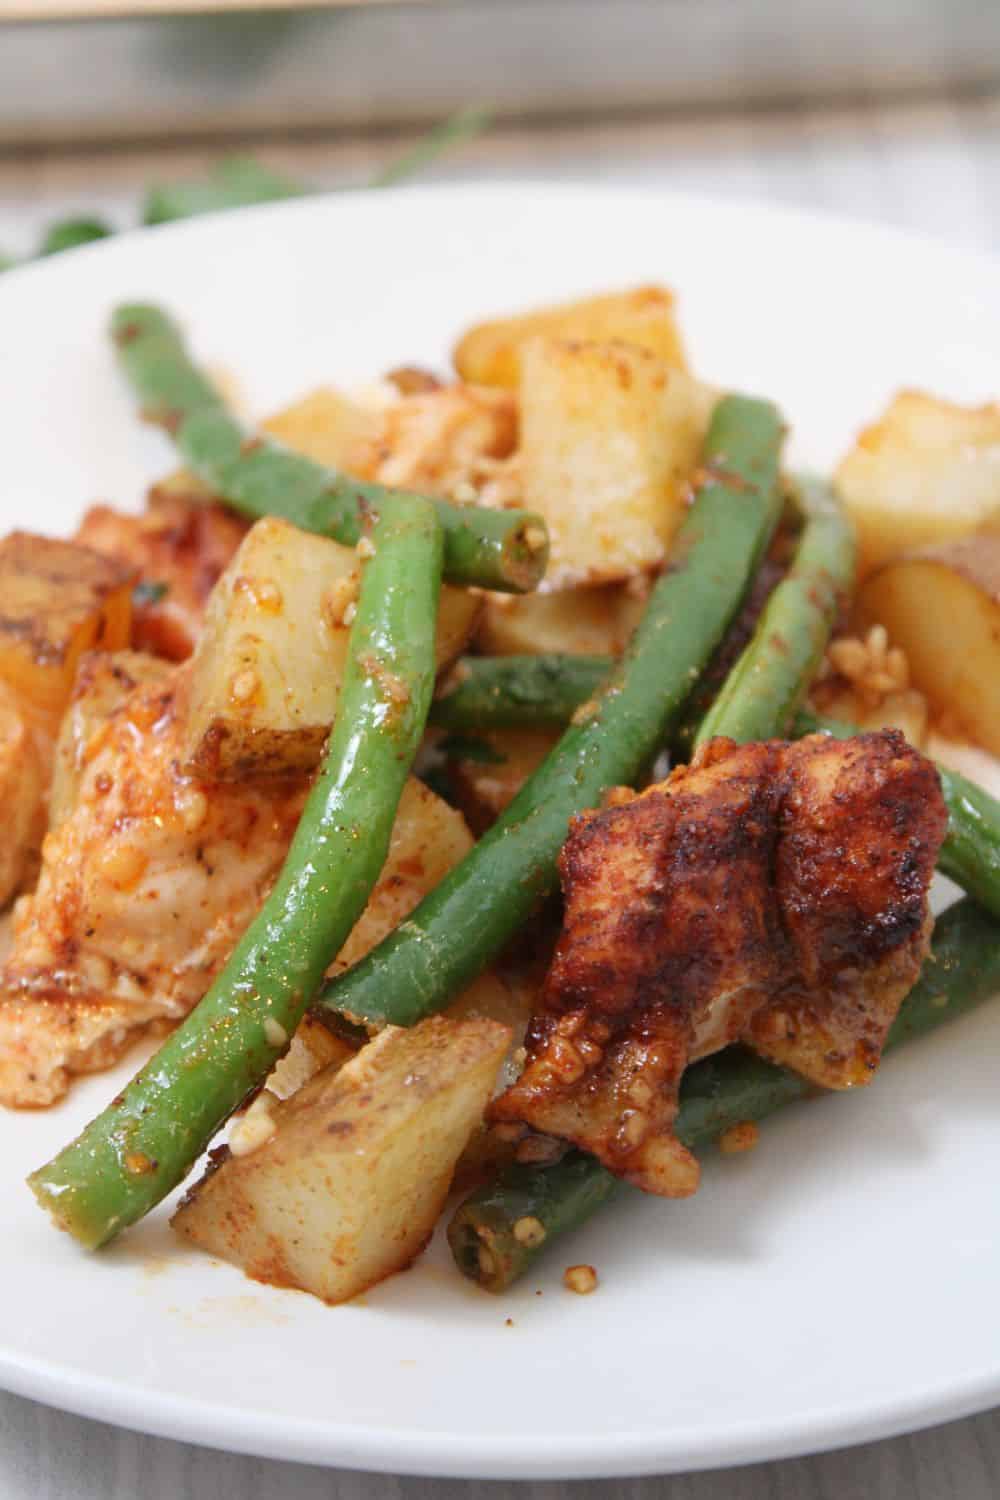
[149, 1137]
[498, 1232]
[70, 234]
[498, 549]
[773, 674]
[479, 906]
[512, 692]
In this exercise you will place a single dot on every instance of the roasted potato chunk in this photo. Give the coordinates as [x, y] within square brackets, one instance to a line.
[587, 622]
[610, 436]
[489, 770]
[267, 671]
[103, 680]
[440, 441]
[326, 426]
[57, 600]
[356, 1166]
[22, 796]
[942, 606]
[928, 471]
[490, 353]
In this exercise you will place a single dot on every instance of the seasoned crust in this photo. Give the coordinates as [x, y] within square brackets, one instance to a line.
[774, 893]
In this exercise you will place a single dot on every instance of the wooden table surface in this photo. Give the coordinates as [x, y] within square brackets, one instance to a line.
[929, 166]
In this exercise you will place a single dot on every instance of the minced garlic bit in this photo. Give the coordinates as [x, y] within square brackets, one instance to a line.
[498, 482]
[254, 1128]
[741, 1137]
[580, 1279]
[867, 680]
[123, 863]
[138, 1163]
[536, 537]
[243, 686]
[341, 596]
[585, 711]
[365, 547]
[873, 666]
[465, 493]
[529, 1231]
[274, 1033]
[263, 593]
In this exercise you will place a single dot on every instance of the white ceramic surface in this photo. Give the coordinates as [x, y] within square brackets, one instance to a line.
[839, 1283]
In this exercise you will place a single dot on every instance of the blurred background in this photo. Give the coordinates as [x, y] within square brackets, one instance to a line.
[888, 110]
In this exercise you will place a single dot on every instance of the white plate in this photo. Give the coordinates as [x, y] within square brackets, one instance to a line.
[837, 1285]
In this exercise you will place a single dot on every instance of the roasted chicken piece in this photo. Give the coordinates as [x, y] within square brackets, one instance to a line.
[152, 875]
[180, 548]
[145, 887]
[771, 893]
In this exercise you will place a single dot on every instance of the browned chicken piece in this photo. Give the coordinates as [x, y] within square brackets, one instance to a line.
[771, 893]
[179, 546]
[143, 891]
[152, 876]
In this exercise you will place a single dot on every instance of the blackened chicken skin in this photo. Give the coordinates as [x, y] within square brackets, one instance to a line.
[770, 893]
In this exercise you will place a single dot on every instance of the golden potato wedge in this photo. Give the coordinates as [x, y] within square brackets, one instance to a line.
[942, 606]
[588, 622]
[22, 795]
[489, 353]
[928, 471]
[610, 436]
[356, 1168]
[103, 680]
[495, 769]
[267, 671]
[326, 426]
[57, 600]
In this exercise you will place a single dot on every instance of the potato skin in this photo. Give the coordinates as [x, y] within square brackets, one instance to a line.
[490, 353]
[927, 472]
[349, 1186]
[942, 606]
